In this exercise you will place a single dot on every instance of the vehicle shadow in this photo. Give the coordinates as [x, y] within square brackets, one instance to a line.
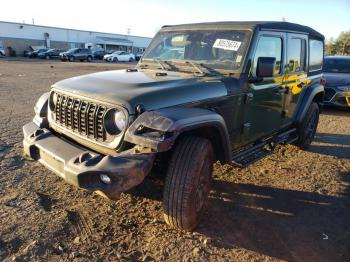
[334, 111]
[284, 224]
[337, 145]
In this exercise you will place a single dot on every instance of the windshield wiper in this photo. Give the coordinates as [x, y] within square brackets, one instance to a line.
[195, 66]
[199, 66]
[161, 63]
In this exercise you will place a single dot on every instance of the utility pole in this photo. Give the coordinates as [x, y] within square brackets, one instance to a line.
[33, 21]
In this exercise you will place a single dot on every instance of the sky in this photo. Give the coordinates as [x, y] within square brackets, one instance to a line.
[145, 18]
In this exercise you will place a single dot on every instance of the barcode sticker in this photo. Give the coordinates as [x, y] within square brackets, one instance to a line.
[227, 44]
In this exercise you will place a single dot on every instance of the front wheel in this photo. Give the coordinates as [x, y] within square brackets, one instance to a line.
[307, 128]
[187, 182]
[115, 59]
[89, 59]
[131, 59]
[71, 59]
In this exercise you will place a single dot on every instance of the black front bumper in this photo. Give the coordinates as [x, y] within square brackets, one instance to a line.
[82, 167]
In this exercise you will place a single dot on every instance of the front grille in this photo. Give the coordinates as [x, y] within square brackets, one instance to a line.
[329, 93]
[82, 117]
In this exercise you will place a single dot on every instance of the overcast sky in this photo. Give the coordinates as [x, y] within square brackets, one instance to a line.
[144, 18]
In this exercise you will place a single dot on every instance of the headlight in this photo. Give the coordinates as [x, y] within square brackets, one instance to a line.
[344, 88]
[114, 122]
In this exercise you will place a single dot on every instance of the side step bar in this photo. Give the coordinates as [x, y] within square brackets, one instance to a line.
[262, 149]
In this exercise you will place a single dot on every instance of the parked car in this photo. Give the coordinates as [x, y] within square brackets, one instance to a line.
[51, 53]
[2, 51]
[336, 72]
[99, 54]
[35, 53]
[229, 98]
[138, 56]
[121, 56]
[77, 54]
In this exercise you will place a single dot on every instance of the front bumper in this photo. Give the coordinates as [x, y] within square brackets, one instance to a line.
[82, 167]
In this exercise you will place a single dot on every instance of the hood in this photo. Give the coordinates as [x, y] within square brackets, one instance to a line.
[129, 89]
[336, 79]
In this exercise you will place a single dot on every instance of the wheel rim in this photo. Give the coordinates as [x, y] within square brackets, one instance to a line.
[203, 186]
[311, 127]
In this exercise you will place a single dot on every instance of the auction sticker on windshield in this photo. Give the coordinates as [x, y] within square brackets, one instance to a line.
[227, 44]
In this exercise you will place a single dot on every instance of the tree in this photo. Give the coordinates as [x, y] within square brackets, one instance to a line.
[340, 46]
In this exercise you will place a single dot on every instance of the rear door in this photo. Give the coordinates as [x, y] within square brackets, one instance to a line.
[295, 79]
[263, 110]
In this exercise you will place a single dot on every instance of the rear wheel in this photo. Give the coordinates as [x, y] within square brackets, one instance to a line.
[47, 57]
[307, 129]
[71, 59]
[187, 182]
[131, 59]
[89, 59]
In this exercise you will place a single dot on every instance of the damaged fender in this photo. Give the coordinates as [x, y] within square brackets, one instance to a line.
[159, 129]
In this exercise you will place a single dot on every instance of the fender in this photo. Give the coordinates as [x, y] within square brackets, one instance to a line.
[159, 129]
[308, 97]
[40, 110]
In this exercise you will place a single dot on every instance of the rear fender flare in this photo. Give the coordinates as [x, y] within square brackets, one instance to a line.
[311, 93]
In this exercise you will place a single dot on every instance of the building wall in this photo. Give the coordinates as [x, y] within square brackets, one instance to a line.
[21, 36]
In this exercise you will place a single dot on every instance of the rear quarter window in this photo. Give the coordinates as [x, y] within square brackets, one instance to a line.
[316, 55]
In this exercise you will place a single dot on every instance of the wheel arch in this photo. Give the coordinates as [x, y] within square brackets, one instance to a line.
[314, 93]
[170, 124]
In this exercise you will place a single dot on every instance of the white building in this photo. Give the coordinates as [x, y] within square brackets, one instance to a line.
[23, 37]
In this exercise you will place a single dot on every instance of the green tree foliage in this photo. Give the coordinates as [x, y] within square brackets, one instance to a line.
[339, 46]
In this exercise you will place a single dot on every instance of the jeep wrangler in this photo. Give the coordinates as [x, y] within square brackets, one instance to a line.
[224, 91]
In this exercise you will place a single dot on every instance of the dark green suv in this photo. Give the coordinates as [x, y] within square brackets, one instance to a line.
[227, 91]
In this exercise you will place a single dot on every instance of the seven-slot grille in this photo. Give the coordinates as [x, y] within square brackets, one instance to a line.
[80, 116]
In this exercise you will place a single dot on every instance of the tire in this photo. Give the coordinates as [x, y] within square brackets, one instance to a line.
[71, 59]
[307, 129]
[89, 59]
[187, 182]
[115, 59]
[47, 57]
[131, 59]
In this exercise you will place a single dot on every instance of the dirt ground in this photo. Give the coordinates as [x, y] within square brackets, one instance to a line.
[293, 205]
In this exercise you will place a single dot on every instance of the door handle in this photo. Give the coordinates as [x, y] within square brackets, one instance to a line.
[280, 90]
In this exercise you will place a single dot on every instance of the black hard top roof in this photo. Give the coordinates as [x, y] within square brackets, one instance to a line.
[269, 25]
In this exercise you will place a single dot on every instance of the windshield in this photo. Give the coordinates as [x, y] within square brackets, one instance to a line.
[216, 49]
[336, 66]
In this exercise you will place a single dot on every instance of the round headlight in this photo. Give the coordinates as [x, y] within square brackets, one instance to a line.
[115, 122]
[119, 119]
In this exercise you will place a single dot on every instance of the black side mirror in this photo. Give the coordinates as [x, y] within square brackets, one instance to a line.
[265, 67]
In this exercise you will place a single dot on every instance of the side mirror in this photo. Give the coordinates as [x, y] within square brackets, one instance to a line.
[265, 67]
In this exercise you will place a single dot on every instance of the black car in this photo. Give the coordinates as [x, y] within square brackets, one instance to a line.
[336, 71]
[35, 53]
[50, 53]
[80, 54]
[138, 56]
[99, 54]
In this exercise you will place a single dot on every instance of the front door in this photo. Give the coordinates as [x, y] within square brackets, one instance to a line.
[264, 102]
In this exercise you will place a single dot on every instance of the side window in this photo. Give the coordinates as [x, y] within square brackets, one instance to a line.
[316, 55]
[269, 46]
[296, 54]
